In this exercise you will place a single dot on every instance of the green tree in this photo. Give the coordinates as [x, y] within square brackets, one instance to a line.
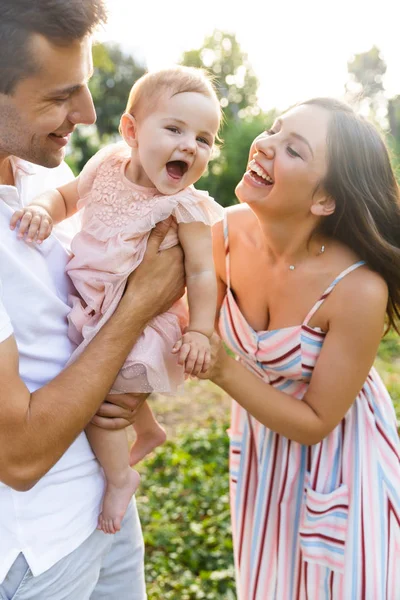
[114, 75]
[367, 70]
[235, 80]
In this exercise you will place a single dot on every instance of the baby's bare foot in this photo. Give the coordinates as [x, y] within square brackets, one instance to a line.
[146, 442]
[116, 500]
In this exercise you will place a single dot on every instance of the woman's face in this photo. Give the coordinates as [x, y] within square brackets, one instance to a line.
[286, 163]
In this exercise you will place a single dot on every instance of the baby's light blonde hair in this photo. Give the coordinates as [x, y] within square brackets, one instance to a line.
[148, 90]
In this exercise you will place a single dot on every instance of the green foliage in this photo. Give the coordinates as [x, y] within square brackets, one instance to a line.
[235, 80]
[366, 90]
[388, 365]
[368, 69]
[185, 516]
[114, 75]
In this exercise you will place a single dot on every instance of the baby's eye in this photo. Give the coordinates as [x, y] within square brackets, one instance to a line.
[173, 129]
[270, 132]
[203, 140]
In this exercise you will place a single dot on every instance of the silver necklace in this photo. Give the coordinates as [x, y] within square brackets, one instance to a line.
[322, 250]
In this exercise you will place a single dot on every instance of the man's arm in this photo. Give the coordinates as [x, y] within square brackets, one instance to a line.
[36, 429]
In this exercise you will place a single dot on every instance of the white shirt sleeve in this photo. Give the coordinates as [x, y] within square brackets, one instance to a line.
[6, 328]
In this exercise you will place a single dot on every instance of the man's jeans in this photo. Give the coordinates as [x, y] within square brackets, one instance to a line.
[104, 567]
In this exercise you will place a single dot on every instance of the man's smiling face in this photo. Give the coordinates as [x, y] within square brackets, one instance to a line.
[37, 119]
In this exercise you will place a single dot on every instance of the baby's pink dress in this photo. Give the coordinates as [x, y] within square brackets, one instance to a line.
[117, 219]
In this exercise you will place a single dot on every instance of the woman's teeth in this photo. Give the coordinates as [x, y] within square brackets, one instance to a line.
[253, 166]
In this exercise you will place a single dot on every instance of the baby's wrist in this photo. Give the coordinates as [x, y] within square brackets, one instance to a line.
[206, 332]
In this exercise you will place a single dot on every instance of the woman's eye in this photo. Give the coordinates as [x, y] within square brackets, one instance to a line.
[173, 129]
[270, 132]
[292, 152]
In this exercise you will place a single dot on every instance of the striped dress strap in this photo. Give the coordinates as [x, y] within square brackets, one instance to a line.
[227, 259]
[330, 288]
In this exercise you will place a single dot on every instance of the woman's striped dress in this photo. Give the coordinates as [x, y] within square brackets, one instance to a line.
[319, 522]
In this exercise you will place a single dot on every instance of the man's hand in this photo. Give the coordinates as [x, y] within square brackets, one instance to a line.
[34, 221]
[118, 411]
[159, 280]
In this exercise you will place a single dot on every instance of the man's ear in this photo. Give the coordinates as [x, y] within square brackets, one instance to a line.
[323, 206]
[128, 129]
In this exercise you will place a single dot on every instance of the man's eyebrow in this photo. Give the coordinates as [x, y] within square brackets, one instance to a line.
[67, 91]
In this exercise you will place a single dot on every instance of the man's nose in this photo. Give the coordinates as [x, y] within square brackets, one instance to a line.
[83, 111]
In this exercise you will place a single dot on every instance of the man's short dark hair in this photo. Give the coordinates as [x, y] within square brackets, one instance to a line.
[60, 21]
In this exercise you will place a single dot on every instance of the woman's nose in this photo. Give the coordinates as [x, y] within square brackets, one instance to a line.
[265, 146]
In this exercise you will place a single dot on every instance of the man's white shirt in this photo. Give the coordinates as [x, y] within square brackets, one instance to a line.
[53, 518]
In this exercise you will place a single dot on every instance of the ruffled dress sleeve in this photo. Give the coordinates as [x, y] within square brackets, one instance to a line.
[193, 205]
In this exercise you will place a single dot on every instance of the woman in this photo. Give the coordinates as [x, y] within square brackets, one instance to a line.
[309, 267]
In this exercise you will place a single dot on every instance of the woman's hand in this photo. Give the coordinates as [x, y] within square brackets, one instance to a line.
[219, 361]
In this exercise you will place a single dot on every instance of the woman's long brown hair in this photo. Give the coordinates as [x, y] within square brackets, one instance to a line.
[361, 180]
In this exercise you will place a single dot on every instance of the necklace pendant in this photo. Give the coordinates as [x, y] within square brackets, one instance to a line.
[291, 267]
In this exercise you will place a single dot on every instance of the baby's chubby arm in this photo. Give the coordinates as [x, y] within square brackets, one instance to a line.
[53, 206]
[194, 348]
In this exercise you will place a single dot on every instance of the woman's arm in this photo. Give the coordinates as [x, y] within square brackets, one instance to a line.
[356, 325]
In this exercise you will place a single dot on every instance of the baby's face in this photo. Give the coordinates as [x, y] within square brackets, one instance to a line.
[175, 141]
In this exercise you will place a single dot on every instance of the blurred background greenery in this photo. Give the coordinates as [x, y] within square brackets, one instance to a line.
[183, 499]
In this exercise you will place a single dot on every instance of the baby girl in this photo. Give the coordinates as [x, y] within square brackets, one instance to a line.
[169, 131]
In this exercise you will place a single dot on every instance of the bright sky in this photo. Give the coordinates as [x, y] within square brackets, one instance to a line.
[298, 49]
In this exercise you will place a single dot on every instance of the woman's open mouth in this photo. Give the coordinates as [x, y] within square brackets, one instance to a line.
[176, 169]
[259, 174]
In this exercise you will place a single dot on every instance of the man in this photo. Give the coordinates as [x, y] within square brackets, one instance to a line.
[51, 485]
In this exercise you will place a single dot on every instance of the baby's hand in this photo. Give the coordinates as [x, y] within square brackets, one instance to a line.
[194, 352]
[35, 221]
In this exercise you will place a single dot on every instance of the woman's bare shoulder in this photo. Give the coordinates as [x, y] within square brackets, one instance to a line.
[362, 296]
[241, 220]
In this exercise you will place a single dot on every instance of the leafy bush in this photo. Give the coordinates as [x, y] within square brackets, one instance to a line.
[388, 365]
[184, 508]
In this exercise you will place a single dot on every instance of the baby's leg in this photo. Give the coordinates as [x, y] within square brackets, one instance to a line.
[111, 449]
[149, 434]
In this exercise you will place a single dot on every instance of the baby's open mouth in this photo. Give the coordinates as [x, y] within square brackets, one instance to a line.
[176, 168]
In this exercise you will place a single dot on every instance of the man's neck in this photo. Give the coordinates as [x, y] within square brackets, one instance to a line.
[6, 172]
